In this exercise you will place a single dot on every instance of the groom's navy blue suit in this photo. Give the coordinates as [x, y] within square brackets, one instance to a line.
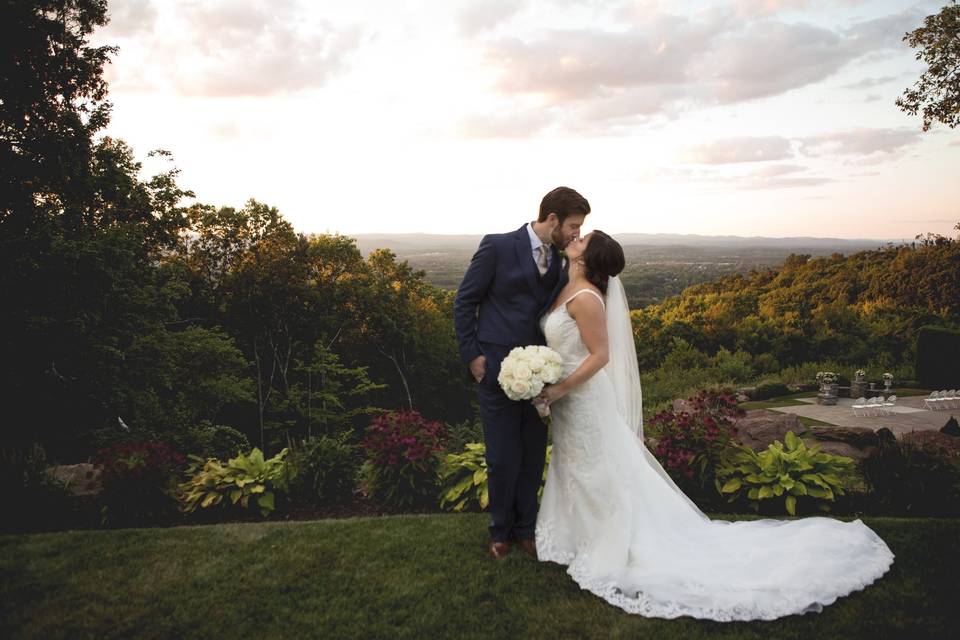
[498, 307]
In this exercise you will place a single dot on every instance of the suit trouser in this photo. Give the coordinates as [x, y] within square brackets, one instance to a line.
[516, 445]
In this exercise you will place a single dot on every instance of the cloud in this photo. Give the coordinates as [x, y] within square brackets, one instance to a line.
[510, 124]
[777, 170]
[859, 142]
[743, 149]
[754, 8]
[260, 48]
[130, 18]
[868, 83]
[483, 15]
[228, 48]
[657, 63]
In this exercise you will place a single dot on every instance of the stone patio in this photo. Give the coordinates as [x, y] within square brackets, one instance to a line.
[908, 415]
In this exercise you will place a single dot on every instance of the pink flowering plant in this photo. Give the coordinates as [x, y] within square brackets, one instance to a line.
[690, 441]
[139, 482]
[403, 452]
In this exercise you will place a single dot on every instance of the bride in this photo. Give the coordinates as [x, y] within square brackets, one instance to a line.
[612, 514]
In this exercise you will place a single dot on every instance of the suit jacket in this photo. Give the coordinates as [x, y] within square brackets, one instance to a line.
[502, 295]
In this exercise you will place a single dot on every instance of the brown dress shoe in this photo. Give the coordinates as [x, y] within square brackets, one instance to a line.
[499, 549]
[529, 546]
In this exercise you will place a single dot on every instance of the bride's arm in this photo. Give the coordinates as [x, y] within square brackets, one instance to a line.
[588, 313]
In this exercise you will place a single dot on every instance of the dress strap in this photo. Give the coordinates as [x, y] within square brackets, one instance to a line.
[596, 295]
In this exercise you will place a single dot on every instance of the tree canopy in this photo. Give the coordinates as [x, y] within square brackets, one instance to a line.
[936, 95]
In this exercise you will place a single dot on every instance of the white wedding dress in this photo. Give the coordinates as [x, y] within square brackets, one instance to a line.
[611, 513]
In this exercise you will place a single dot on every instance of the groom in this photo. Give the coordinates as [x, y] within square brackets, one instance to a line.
[512, 279]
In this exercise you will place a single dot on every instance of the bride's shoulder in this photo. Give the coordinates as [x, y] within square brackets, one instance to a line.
[592, 301]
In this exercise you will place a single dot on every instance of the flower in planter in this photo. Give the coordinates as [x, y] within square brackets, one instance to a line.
[826, 377]
[888, 376]
[861, 373]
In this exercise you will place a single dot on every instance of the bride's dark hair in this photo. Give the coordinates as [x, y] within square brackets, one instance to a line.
[602, 258]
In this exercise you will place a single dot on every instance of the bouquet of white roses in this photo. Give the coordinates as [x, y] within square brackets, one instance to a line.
[526, 369]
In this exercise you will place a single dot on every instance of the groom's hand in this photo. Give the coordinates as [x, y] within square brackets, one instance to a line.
[478, 367]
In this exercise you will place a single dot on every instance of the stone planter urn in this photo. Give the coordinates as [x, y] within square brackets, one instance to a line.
[828, 394]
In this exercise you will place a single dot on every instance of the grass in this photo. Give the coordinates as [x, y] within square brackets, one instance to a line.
[401, 577]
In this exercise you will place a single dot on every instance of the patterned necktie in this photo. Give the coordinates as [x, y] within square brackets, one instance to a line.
[542, 259]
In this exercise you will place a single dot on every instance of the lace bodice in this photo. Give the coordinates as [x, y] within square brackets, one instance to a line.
[563, 335]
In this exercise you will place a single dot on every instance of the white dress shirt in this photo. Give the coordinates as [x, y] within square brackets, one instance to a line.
[535, 243]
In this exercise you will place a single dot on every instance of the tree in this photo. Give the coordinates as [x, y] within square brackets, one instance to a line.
[937, 92]
[54, 100]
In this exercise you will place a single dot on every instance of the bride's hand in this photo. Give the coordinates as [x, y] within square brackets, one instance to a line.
[550, 394]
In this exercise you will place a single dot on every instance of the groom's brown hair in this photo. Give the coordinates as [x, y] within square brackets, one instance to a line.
[563, 201]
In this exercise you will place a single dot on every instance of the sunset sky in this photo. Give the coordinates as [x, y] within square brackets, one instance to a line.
[734, 117]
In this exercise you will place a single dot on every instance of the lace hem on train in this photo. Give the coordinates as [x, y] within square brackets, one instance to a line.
[762, 604]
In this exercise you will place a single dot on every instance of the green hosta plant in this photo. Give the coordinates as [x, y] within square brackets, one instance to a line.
[238, 480]
[787, 470]
[464, 478]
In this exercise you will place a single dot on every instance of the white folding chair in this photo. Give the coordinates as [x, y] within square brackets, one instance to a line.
[860, 405]
[932, 401]
[952, 399]
[873, 406]
[889, 404]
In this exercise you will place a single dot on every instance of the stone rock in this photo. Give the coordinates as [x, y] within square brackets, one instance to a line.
[948, 445]
[858, 443]
[760, 427]
[856, 436]
[951, 428]
[79, 479]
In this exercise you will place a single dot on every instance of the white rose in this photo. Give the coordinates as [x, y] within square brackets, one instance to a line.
[536, 363]
[521, 388]
[522, 372]
[552, 373]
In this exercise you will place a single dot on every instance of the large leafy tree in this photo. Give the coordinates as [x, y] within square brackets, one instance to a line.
[937, 93]
[54, 100]
[80, 232]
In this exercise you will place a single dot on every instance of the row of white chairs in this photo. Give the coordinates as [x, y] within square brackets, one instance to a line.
[874, 406]
[946, 399]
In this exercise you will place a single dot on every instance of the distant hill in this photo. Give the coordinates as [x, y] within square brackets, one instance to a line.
[427, 243]
[658, 264]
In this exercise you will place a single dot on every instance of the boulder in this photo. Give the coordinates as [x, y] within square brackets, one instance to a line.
[858, 443]
[948, 446]
[760, 427]
[79, 479]
[951, 428]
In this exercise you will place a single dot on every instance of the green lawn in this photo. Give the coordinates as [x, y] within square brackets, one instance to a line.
[404, 576]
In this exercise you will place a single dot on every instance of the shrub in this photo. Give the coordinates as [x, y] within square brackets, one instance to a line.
[733, 367]
[34, 500]
[218, 441]
[403, 453]
[241, 478]
[767, 390]
[912, 477]
[462, 433]
[464, 478]
[139, 482]
[689, 442]
[323, 469]
[789, 470]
